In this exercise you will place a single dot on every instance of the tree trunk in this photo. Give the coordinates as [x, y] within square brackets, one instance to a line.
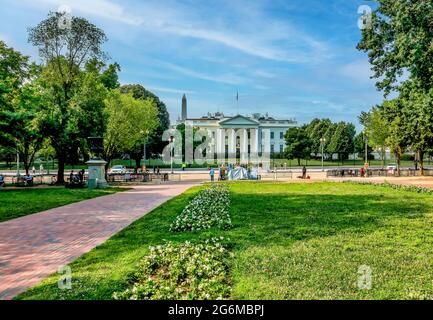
[421, 161]
[61, 171]
[137, 163]
[299, 162]
[398, 158]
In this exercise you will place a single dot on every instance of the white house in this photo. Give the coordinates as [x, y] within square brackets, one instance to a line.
[241, 137]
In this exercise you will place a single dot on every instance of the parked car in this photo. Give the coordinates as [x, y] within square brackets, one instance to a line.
[391, 168]
[118, 169]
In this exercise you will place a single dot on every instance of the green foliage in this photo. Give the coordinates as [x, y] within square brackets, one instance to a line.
[65, 51]
[210, 208]
[129, 121]
[341, 141]
[359, 144]
[186, 271]
[298, 144]
[319, 129]
[21, 101]
[154, 144]
[377, 130]
[400, 40]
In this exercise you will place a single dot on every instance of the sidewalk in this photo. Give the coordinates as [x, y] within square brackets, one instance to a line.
[35, 246]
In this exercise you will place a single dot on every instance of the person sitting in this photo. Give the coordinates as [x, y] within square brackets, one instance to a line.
[2, 181]
[75, 179]
[28, 180]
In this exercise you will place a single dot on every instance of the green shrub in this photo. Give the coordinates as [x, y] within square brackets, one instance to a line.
[210, 208]
[185, 271]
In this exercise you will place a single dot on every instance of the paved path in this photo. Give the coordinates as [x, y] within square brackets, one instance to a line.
[35, 246]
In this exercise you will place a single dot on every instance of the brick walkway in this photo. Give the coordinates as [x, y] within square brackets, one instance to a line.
[35, 246]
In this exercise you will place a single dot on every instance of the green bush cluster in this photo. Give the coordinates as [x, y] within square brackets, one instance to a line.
[210, 208]
[185, 271]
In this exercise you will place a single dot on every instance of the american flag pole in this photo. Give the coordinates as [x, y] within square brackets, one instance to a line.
[237, 101]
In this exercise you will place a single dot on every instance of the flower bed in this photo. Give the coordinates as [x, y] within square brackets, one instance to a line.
[210, 208]
[396, 186]
[182, 271]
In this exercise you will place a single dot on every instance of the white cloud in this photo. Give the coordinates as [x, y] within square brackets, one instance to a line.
[230, 79]
[255, 40]
[171, 90]
[100, 8]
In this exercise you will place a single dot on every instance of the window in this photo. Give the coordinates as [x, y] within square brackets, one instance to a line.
[281, 148]
[281, 135]
[272, 135]
[272, 148]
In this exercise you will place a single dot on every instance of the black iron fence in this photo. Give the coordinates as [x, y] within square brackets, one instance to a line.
[349, 173]
[136, 177]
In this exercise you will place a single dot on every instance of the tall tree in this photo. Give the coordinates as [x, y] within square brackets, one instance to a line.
[65, 49]
[359, 145]
[317, 130]
[418, 112]
[394, 113]
[398, 40]
[298, 144]
[154, 145]
[129, 121]
[341, 142]
[20, 102]
[376, 128]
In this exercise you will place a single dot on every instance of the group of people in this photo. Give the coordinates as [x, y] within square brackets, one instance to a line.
[27, 179]
[222, 173]
[77, 178]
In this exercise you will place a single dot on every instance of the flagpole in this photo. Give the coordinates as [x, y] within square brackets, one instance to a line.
[237, 101]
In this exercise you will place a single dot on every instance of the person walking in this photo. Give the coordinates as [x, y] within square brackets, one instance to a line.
[304, 172]
[212, 174]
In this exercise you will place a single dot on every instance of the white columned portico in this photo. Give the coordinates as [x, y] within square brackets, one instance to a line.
[220, 142]
[266, 152]
[232, 144]
[254, 144]
[244, 146]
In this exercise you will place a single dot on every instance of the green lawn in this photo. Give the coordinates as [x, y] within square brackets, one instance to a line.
[290, 241]
[22, 202]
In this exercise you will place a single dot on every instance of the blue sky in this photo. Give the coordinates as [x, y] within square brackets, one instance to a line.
[290, 58]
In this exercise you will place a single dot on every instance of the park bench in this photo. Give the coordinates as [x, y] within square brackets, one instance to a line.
[162, 177]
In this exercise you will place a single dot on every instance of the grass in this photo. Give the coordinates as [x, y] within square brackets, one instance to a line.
[290, 241]
[22, 202]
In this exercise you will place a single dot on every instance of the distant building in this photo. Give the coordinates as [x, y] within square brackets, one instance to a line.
[241, 136]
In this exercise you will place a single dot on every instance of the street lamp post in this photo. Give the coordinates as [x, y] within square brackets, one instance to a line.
[322, 143]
